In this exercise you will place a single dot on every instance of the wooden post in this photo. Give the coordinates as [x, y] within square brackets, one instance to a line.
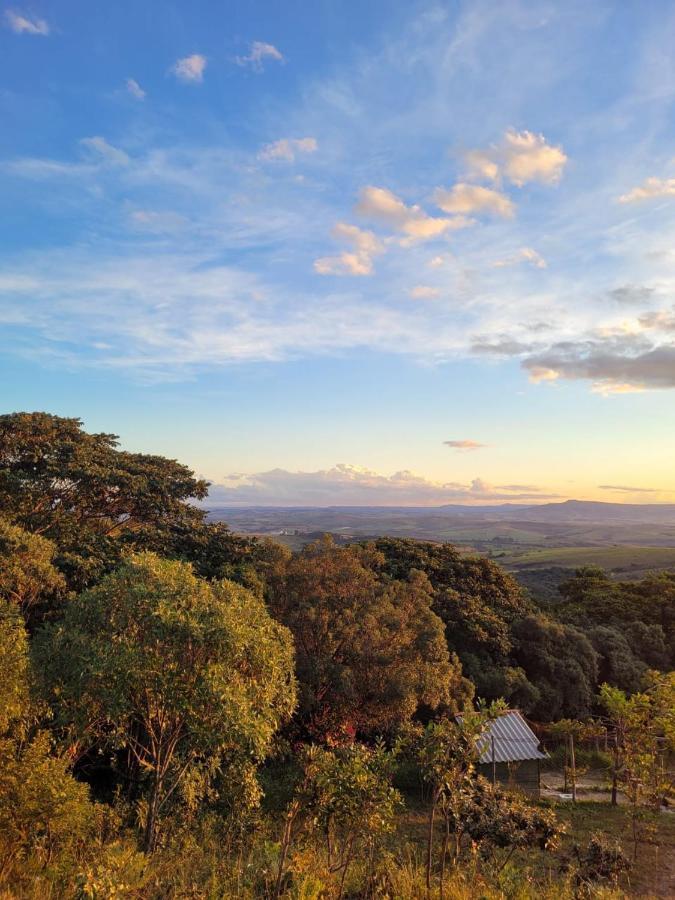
[574, 768]
[615, 771]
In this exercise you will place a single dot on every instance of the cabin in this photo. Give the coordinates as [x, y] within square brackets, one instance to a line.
[510, 754]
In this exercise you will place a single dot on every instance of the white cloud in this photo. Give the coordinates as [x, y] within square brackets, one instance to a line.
[424, 292]
[100, 147]
[190, 68]
[521, 157]
[441, 259]
[359, 260]
[528, 157]
[382, 205]
[468, 199]
[22, 24]
[482, 165]
[286, 148]
[134, 88]
[524, 255]
[259, 52]
[650, 189]
[351, 485]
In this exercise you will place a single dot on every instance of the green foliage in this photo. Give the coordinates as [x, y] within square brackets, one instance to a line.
[643, 611]
[368, 652]
[27, 572]
[190, 680]
[14, 693]
[45, 815]
[561, 664]
[84, 494]
[44, 812]
[601, 862]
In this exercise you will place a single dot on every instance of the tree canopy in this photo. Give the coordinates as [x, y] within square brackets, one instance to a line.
[188, 678]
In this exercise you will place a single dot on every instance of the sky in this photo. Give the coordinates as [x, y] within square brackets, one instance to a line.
[392, 252]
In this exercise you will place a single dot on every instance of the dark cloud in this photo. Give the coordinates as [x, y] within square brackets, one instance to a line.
[625, 362]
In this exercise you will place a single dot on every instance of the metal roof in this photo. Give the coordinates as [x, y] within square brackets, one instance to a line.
[513, 738]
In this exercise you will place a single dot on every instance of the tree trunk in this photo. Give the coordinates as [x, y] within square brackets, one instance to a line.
[430, 837]
[446, 838]
[150, 837]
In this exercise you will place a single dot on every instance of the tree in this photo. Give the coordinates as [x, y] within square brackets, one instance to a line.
[368, 652]
[476, 599]
[347, 795]
[27, 572]
[187, 678]
[447, 754]
[561, 664]
[642, 611]
[88, 497]
[644, 731]
[43, 810]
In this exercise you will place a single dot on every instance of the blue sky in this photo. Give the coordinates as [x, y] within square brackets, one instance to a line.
[348, 252]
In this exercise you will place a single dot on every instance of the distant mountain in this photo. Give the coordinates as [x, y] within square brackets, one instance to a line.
[596, 511]
[565, 511]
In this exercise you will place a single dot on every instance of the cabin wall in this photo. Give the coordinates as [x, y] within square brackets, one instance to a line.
[521, 776]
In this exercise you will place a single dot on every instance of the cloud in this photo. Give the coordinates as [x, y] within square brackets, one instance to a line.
[615, 366]
[423, 292]
[348, 485]
[481, 165]
[21, 24]
[528, 157]
[259, 52]
[662, 320]
[524, 255]
[503, 346]
[650, 189]
[134, 88]
[190, 68]
[465, 445]
[383, 206]
[98, 146]
[520, 157]
[286, 148]
[623, 489]
[631, 294]
[468, 199]
[441, 259]
[358, 261]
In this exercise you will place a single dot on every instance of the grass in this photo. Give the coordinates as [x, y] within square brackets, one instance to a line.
[653, 870]
[613, 558]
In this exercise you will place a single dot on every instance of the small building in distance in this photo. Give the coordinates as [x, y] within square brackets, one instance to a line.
[510, 754]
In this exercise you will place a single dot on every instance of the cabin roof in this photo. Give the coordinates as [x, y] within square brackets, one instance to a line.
[514, 740]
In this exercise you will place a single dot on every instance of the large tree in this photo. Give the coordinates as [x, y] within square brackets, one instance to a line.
[369, 651]
[87, 496]
[477, 601]
[188, 679]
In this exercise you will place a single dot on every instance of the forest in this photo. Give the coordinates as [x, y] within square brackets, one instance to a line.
[187, 712]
